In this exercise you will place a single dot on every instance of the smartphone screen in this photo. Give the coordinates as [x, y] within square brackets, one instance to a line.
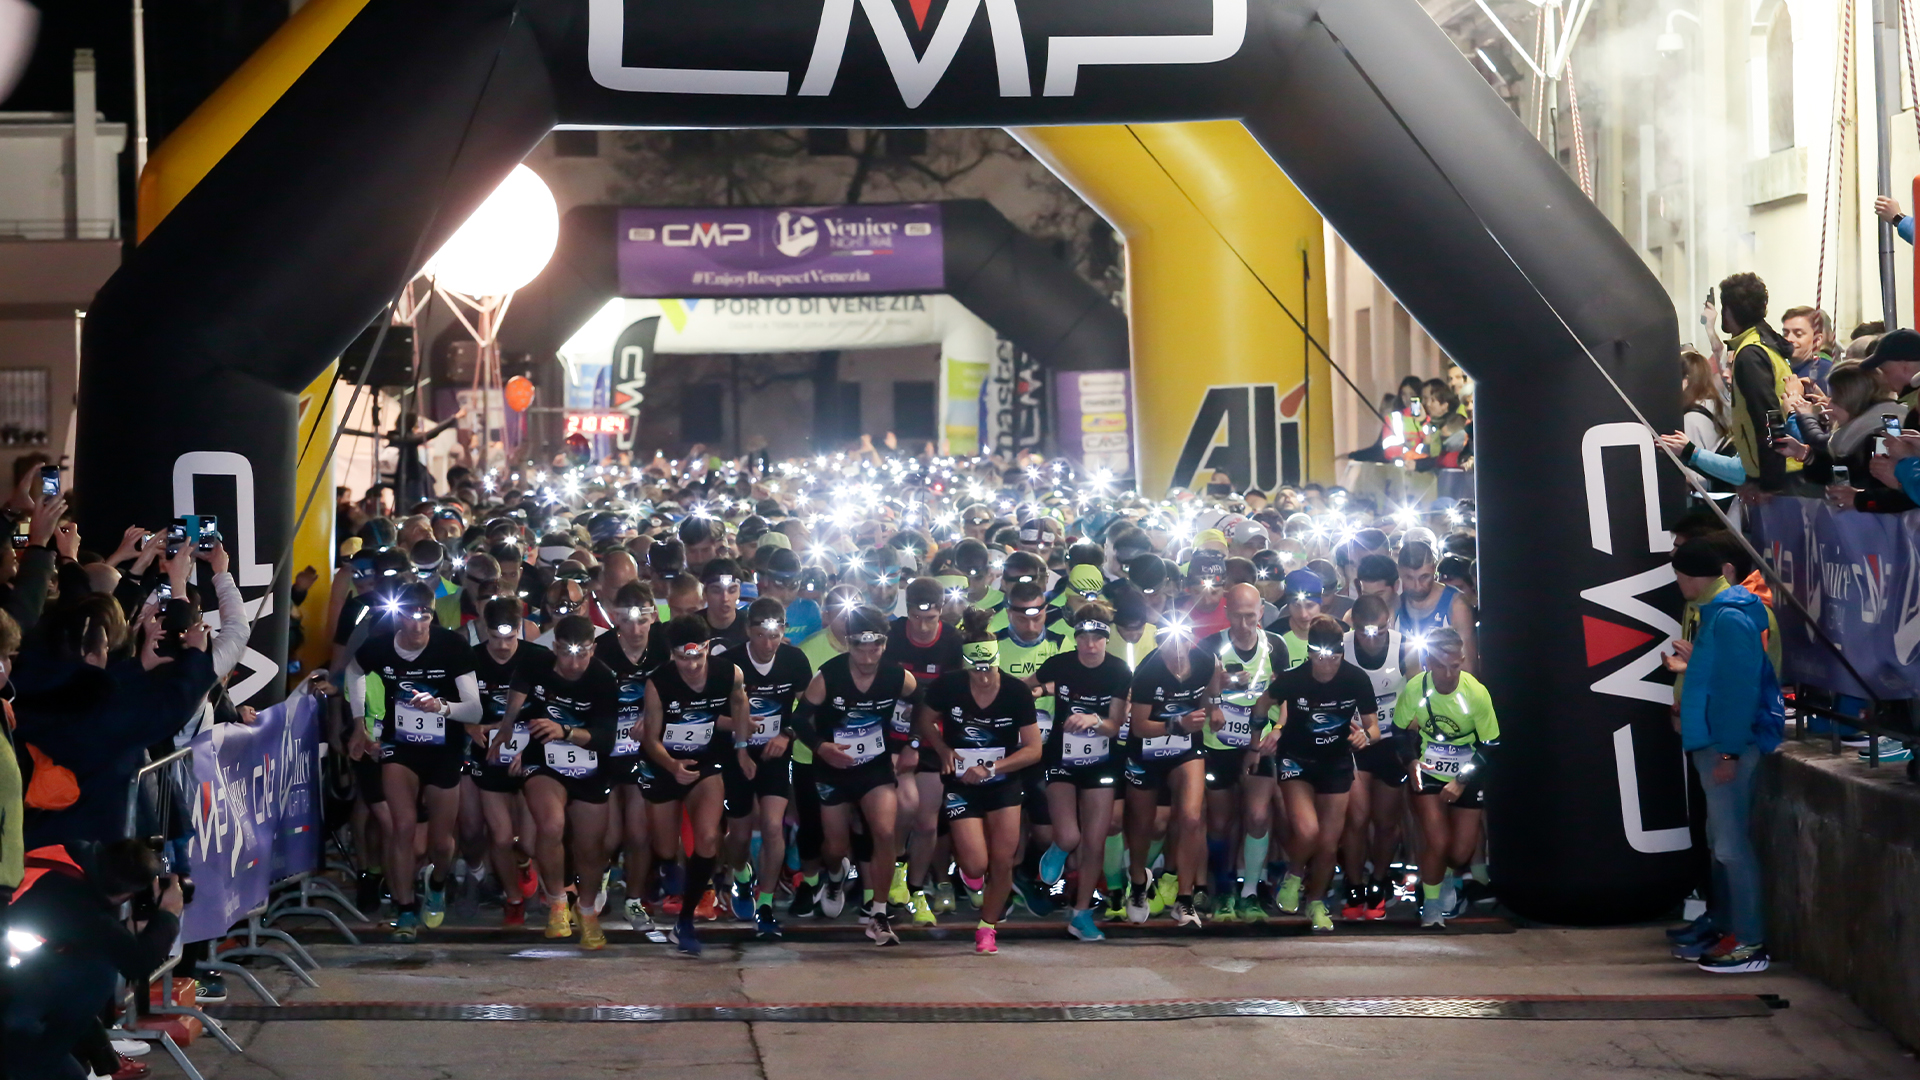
[20, 533]
[1891, 423]
[209, 533]
[49, 481]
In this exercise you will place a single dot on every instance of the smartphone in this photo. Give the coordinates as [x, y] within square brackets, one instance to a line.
[209, 533]
[1776, 426]
[1842, 475]
[1879, 446]
[1892, 424]
[49, 481]
[176, 537]
[20, 529]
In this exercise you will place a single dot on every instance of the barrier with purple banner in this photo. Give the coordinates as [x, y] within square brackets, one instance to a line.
[256, 812]
[781, 251]
[1859, 576]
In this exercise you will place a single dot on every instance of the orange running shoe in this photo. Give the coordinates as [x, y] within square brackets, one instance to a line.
[709, 909]
[514, 915]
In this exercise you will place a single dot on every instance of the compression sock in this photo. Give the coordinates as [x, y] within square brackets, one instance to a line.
[1220, 866]
[866, 896]
[1253, 860]
[1429, 892]
[694, 885]
[743, 873]
[1113, 860]
[812, 880]
[764, 899]
[1153, 853]
[1481, 874]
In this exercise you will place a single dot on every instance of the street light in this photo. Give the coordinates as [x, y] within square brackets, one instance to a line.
[1672, 42]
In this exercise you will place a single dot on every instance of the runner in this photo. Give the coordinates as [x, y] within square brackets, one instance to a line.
[1175, 693]
[1327, 711]
[569, 703]
[1025, 644]
[499, 743]
[830, 641]
[1250, 658]
[1459, 736]
[852, 699]
[980, 725]
[776, 673]
[696, 714]
[927, 649]
[1376, 807]
[1089, 688]
[426, 681]
[720, 588]
[632, 652]
[1426, 606]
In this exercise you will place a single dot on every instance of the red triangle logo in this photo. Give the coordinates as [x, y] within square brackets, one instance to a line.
[1607, 640]
[920, 9]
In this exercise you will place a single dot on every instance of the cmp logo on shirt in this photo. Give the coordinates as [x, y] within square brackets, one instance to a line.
[839, 703]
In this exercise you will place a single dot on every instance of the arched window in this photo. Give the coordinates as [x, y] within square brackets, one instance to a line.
[1780, 81]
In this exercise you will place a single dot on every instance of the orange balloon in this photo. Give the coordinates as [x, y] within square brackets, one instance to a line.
[519, 393]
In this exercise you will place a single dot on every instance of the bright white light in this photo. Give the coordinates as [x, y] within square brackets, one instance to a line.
[505, 244]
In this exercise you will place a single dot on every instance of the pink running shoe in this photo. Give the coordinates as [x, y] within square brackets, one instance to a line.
[985, 940]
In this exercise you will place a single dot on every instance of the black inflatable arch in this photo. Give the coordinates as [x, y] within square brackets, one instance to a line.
[1001, 274]
[301, 233]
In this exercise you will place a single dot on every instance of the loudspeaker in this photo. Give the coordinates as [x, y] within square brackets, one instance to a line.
[394, 365]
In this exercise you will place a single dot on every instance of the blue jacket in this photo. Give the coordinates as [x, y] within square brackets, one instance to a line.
[1907, 471]
[1731, 699]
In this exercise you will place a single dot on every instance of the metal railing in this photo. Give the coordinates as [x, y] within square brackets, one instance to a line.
[59, 229]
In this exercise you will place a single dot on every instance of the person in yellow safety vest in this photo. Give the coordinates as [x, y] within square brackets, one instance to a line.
[1400, 430]
[1760, 374]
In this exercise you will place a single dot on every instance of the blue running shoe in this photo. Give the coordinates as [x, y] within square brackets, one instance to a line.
[1053, 864]
[1698, 929]
[765, 927]
[1083, 927]
[435, 907]
[684, 937]
[406, 928]
[743, 900]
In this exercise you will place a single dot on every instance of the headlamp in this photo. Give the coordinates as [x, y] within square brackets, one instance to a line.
[417, 614]
[867, 637]
[691, 650]
[1030, 611]
[773, 625]
[503, 630]
[1094, 626]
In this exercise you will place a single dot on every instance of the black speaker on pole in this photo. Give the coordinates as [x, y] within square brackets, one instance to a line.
[394, 365]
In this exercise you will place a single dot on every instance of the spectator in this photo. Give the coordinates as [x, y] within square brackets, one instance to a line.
[1731, 715]
[1895, 361]
[1888, 210]
[12, 790]
[69, 901]
[1810, 332]
[1760, 374]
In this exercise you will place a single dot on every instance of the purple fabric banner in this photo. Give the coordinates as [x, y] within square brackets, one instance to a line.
[1859, 575]
[256, 812]
[680, 253]
[1095, 420]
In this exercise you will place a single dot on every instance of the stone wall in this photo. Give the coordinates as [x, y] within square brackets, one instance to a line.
[1839, 845]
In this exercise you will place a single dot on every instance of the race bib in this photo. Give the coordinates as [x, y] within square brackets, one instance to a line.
[414, 726]
[861, 737]
[689, 737]
[766, 721]
[903, 717]
[1166, 746]
[1238, 729]
[1445, 759]
[1083, 749]
[1043, 719]
[513, 744]
[570, 760]
[966, 758]
[624, 744]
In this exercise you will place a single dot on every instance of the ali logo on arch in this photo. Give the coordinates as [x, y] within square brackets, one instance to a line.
[915, 75]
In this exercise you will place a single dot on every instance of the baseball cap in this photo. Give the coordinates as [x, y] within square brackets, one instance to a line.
[1086, 580]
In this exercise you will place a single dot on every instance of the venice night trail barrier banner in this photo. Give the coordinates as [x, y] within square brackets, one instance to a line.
[781, 251]
[1859, 576]
[256, 812]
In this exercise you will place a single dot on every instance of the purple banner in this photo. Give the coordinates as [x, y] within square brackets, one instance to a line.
[1095, 429]
[1859, 575]
[256, 812]
[680, 253]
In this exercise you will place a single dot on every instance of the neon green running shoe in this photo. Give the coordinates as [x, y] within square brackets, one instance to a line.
[898, 893]
[1318, 915]
[1290, 894]
[922, 910]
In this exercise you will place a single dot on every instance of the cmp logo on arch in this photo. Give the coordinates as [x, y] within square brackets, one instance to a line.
[918, 72]
[772, 251]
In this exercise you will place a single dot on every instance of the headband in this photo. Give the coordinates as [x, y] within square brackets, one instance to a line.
[981, 654]
[1094, 626]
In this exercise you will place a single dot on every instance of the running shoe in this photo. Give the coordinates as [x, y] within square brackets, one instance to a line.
[803, 903]
[1449, 894]
[943, 898]
[560, 920]
[1318, 915]
[1053, 864]
[591, 936]
[1165, 891]
[709, 907]
[670, 905]
[975, 890]
[125, 1068]
[406, 928]
[1892, 752]
[1854, 741]
[897, 892]
[764, 926]
[743, 900]
[1289, 898]
[1185, 915]
[1697, 930]
[1694, 950]
[513, 915]
[209, 990]
[1031, 893]
[1082, 927]
[1203, 901]
[1115, 905]
[435, 906]
[366, 892]
[1431, 915]
[880, 927]
[529, 879]
[606, 889]
[637, 915]
[1269, 903]
[1377, 896]
[684, 937]
[1462, 896]
[1138, 910]
[833, 899]
[985, 940]
[1355, 907]
[1739, 960]
[922, 910]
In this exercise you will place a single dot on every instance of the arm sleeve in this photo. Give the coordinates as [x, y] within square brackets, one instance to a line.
[1753, 375]
[230, 641]
[1725, 468]
[467, 709]
[356, 689]
[1905, 227]
[803, 727]
[1907, 471]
